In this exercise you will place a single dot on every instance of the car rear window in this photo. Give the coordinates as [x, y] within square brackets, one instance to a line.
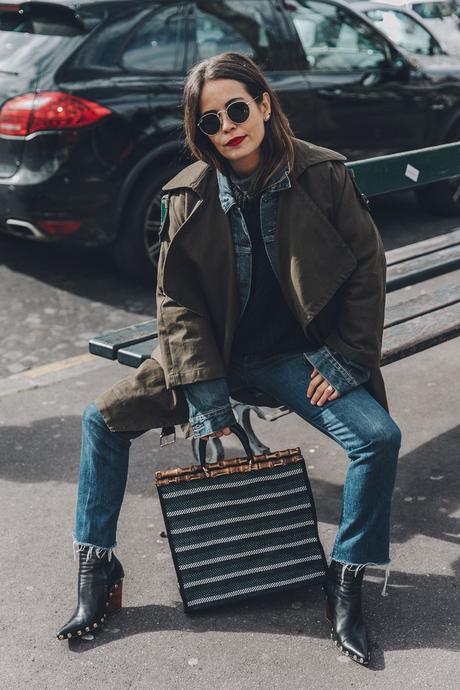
[39, 18]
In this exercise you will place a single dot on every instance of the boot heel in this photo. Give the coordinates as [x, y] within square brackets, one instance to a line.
[115, 597]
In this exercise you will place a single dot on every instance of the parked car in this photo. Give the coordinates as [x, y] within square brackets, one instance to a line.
[441, 17]
[408, 31]
[90, 104]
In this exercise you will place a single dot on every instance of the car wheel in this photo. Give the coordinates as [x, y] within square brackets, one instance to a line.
[135, 250]
[442, 198]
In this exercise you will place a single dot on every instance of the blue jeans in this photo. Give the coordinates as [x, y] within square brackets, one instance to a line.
[356, 421]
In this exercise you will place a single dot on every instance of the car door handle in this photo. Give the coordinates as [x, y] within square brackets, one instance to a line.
[329, 93]
[438, 106]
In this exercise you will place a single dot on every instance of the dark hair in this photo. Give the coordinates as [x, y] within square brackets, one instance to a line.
[277, 146]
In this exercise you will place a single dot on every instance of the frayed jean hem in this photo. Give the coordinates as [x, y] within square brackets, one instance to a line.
[100, 551]
[358, 566]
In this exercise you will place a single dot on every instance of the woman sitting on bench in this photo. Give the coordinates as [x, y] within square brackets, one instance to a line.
[271, 276]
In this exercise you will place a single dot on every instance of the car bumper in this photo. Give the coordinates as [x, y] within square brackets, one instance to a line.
[57, 211]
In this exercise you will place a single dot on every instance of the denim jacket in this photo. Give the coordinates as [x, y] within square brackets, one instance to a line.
[208, 401]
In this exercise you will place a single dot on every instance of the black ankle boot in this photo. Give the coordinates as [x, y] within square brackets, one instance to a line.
[100, 584]
[343, 610]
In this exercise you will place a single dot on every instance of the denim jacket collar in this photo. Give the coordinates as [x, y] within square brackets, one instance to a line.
[279, 182]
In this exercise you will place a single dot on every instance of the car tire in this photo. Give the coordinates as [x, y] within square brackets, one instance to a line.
[443, 197]
[135, 250]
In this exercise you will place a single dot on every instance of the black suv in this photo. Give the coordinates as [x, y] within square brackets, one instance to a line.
[90, 96]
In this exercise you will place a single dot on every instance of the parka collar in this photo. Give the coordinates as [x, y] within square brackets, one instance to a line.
[197, 175]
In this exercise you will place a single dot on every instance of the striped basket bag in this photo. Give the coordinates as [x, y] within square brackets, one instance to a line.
[241, 527]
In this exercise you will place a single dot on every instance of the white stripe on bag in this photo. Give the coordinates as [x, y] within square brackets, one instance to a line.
[236, 501]
[214, 487]
[254, 552]
[237, 537]
[239, 518]
[247, 590]
[251, 571]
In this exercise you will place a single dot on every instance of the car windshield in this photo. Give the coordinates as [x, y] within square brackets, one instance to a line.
[404, 31]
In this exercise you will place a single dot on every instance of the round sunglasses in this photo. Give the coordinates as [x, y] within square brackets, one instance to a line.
[237, 112]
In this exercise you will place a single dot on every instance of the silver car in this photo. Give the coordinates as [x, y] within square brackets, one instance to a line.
[440, 16]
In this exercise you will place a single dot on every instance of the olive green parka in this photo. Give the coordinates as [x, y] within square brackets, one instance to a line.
[332, 271]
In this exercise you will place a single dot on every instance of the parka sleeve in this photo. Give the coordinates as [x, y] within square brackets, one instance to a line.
[359, 329]
[188, 346]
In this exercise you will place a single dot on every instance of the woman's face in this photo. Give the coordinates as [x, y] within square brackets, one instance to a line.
[238, 143]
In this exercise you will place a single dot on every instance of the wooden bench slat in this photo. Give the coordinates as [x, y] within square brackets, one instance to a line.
[417, 306]
[427, 246]
[134, 355]
[420, 333]
[423, 267]
[108, 344]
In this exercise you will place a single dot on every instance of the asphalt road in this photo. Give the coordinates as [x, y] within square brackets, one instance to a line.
[53, 298]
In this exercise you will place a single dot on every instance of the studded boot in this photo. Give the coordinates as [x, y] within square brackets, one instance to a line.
[343, 609]
[100, 583]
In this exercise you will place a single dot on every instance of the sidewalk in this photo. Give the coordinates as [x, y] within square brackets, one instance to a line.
[273, 644]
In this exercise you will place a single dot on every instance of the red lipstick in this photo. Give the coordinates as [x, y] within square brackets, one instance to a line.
[236, 141]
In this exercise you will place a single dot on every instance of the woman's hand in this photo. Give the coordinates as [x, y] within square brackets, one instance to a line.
[318, 389]
[226, 430]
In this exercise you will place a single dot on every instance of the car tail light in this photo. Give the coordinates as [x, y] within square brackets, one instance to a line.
[59, 227]
[36, 112]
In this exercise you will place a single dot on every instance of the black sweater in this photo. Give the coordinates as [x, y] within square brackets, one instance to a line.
[267, 326]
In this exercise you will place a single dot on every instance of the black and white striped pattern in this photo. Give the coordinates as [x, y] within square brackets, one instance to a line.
[247, 535]
[240, 534]
[270, 585]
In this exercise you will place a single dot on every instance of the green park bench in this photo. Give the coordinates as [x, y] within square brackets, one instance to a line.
[411, 325]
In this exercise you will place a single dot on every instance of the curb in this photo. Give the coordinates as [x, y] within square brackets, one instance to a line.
[54, 372]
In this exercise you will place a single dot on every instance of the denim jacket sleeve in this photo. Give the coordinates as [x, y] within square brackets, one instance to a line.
[209, 406]
[341, 372]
